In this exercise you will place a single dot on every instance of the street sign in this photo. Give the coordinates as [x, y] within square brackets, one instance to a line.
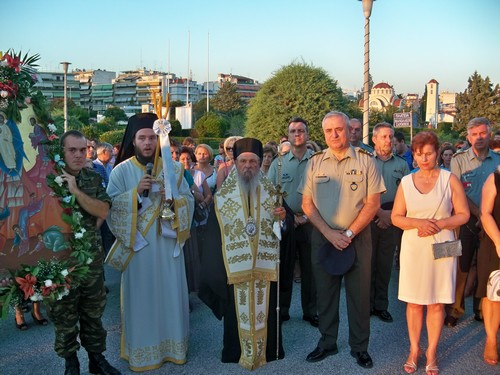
[403, 120]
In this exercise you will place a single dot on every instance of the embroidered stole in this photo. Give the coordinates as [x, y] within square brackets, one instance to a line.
[250, 262]
[125, 222]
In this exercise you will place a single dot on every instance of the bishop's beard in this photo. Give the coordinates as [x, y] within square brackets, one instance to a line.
[249, 186]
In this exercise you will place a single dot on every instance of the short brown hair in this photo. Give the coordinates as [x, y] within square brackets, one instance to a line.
[425, 138]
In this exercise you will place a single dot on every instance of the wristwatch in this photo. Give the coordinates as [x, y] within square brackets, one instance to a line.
[349, 233]
[304, 217]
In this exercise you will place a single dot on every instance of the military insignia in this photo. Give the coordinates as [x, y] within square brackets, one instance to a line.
[354, 186]
[363, 151]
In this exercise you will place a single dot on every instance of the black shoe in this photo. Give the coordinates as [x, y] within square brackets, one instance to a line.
[478, 317]
[106, 289]
[41, 322]
[384, 315]
[99, 365]
[450, 321]
[23, 326]
[319, 354]
[72, 365]
[363, 359]
[284, 317]
[313, 320]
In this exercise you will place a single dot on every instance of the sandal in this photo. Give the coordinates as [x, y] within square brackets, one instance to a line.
[432, 369]
[411, 365]
[490, 355]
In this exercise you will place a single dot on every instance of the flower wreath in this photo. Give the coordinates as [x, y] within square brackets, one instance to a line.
[48, 279]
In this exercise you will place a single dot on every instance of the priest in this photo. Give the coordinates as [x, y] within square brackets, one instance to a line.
[243, 262]
[151, 205]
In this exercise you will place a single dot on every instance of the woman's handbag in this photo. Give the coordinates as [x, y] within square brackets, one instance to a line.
[447, 249]
[493, 286]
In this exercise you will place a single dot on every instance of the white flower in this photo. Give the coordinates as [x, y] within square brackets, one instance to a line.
[78, 235]
[57, 157]
[89, 260]
[48, 283]
[4, 94]
[83, 230]
[59, 180]
[61, 163]
[64, 272]
[67, 199]
[63, 294]
[36, 297]
[52, 128]
[78, 215]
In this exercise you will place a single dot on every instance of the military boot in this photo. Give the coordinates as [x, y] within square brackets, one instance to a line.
[72, 365]
[99, 365]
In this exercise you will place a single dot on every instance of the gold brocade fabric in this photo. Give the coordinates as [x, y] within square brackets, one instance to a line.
[250, 262]
[124, 221]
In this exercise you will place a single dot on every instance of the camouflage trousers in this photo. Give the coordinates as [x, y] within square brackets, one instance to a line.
[79, 313]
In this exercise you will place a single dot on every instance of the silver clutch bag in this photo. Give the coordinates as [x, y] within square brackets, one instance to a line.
[447, 249]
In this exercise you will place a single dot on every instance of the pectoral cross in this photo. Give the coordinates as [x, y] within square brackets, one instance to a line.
[279, 194]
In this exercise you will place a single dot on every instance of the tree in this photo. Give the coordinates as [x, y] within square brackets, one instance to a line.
[116, 113]
[227, 99]
[423, 107]
[479, 99]
[211, 125]
[297, 89]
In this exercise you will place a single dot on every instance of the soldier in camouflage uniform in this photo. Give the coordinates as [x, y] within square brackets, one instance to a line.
[80, 312]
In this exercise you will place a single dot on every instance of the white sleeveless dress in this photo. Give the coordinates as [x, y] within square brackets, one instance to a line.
[422, 279]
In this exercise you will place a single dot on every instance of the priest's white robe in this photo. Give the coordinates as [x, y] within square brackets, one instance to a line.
[154, 295]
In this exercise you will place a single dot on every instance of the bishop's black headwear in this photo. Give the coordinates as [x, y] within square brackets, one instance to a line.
[247, 145]
[135, 123]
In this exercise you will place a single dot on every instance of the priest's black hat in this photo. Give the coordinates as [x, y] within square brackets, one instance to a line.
[334, 261]
[135, 123]
[248, 145]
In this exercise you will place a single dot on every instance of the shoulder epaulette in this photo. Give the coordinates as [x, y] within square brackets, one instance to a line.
[399, 156]
[363, 151]
[318, 153]
[459, 152]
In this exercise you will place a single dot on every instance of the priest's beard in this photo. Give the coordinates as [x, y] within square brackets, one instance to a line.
[248, 186]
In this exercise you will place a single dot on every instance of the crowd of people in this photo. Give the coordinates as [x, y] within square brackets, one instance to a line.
[235, 228]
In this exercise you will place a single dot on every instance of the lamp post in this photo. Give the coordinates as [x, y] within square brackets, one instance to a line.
[65, 69]
[367, 10]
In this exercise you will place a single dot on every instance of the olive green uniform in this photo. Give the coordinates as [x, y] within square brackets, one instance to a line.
[80, 312]
[339, 189]
[384, 241]
[473, 173]
[292, 171]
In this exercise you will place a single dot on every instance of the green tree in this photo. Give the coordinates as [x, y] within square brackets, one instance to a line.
[227, 99]
[423, 107]
[297, 89]
[113, 136]
[116, 113]
[199, 109]
[211, 125]
[479, 99]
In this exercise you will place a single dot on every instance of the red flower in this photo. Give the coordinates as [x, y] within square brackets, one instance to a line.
[13, 62]
[68, 211]
[26, 285]
[52, 137]
[46, 290]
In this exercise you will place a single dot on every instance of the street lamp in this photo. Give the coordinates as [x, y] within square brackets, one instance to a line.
[367, 10]
[65, 69]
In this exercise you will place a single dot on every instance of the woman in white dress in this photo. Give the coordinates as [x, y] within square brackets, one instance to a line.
[423, 209]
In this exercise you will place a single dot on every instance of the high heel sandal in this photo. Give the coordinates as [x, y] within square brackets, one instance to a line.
[41, 322]
[490, 355]
[432, 369]
[411, 365]
[23, 326]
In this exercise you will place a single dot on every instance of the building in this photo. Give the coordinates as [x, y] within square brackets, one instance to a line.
[51, 85]
[432, 106]
[447, 108]
[382, 96]
[95, 92]
[246, 87]
[178, 88]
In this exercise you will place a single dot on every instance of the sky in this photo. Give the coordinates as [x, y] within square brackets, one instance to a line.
[411, 41]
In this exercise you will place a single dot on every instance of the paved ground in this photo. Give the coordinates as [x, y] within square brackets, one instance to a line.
[460, 351]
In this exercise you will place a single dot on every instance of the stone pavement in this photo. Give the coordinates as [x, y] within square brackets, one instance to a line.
[460, 350]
